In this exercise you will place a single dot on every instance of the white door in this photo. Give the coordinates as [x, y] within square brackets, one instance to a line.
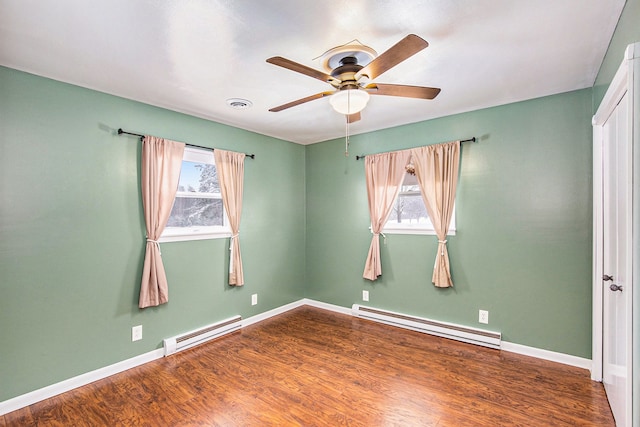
[616, 216]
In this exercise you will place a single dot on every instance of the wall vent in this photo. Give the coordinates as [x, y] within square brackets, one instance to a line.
[202, 335]
[433, 327]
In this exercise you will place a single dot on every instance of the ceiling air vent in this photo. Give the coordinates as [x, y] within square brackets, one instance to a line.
[239, 103]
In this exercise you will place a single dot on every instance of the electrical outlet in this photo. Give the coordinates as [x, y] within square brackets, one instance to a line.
[136, 333]
[483, 316]
[254, 299]
[365, 295]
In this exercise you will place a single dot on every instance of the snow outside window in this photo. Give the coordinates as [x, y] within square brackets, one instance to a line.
[198, 212]
[409, 215]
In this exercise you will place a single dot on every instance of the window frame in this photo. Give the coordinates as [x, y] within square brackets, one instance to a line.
[181, 234]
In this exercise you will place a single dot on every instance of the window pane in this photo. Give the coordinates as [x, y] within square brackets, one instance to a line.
[196, 211]
[408, 210]
[198, 177]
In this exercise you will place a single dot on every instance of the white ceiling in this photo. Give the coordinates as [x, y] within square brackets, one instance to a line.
[192, 55]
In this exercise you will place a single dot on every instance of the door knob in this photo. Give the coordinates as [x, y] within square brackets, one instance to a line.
[615, 287]
[607, 278]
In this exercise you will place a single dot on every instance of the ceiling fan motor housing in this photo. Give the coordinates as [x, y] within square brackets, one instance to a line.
[346, 72]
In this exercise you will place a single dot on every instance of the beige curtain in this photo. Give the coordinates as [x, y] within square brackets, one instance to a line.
[436, 169]
[161, 164]
[384, 175]
[230, 167]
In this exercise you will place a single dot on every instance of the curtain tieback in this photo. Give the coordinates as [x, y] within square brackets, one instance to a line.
[231, 266]
[233, 236]
[157, 244]
[444, 242]
[384, 236]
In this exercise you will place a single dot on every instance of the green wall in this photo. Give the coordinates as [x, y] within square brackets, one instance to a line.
[523, 244]
[72, 232]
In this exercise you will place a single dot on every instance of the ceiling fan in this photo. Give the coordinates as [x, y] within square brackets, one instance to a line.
[350, 74]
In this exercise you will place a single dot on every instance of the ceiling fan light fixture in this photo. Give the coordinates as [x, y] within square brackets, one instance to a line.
[349, 101]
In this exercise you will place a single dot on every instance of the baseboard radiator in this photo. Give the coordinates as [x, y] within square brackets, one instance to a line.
[202, 335]
[433, 327]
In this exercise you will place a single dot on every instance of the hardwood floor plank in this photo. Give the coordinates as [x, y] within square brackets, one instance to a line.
[310, 367]
[21, 417]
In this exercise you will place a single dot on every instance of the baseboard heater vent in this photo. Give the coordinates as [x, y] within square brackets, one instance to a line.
[199, 336]
[433, 327]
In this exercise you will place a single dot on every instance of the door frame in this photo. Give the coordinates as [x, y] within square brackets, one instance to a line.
[626, 80]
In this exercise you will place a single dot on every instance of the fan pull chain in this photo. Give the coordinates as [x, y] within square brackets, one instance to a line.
[346, 138]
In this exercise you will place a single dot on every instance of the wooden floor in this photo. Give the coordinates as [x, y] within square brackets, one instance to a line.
[312, 367]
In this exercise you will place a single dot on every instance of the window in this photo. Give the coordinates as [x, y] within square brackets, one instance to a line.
[198, 212]
[409, 215]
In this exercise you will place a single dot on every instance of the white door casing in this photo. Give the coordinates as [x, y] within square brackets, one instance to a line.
[614, 237]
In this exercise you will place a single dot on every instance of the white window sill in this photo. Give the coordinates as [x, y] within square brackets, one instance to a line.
[416, 231]
[184, 237]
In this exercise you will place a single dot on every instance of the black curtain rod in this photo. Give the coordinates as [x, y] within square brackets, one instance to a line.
[464, 140]
[120, 132]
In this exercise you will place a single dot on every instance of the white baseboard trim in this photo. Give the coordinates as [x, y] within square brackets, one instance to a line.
[274, 312]
[552, 356]
[35, 396]
[78, 381]
[327, 306]
[283, 309]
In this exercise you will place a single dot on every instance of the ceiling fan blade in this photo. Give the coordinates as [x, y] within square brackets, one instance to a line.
[302, 69]
[421, 92]
[353, 117]
[405, 48]
[300, 101]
